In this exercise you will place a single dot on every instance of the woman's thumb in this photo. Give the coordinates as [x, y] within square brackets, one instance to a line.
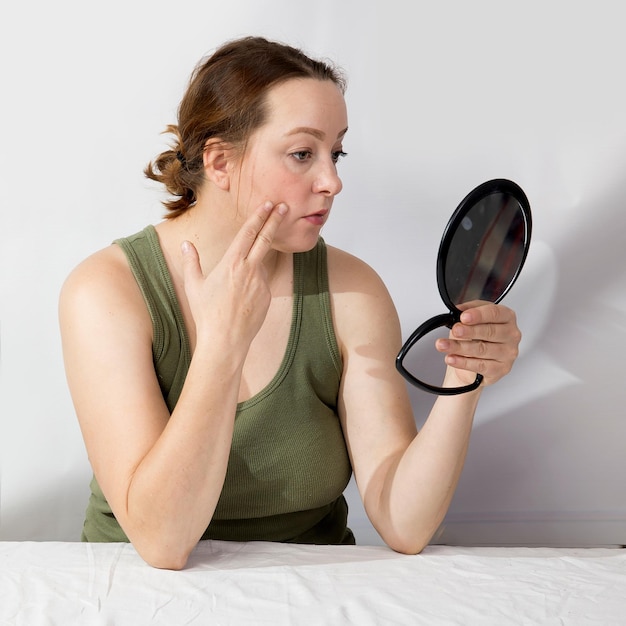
[191, 261]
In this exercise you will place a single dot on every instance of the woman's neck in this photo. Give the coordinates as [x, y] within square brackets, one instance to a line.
[211, 231]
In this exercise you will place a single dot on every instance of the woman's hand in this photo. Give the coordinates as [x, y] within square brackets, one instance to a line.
[233, 299]
[486, 341]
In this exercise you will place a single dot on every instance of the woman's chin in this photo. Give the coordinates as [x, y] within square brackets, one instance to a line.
[295, 244]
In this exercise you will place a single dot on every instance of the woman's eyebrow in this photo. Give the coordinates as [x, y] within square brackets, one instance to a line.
[318, 134]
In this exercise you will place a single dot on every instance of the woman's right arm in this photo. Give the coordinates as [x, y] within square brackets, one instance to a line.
[162, 474]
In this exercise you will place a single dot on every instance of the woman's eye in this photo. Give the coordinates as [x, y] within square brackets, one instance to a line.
[301, 155]
[339, 154]
[306, 155]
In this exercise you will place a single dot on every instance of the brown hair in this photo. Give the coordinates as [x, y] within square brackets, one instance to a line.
[226, 99]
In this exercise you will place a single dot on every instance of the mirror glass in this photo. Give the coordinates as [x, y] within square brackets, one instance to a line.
[481, 254]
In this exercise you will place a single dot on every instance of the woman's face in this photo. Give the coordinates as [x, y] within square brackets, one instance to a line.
[293, 158]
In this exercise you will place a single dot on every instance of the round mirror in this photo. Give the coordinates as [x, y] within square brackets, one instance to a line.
[484, 245]
[482, 252]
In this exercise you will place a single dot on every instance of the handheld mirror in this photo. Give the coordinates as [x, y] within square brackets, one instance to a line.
[481, 254]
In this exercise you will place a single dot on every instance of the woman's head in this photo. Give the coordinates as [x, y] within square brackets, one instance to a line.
[227, 99]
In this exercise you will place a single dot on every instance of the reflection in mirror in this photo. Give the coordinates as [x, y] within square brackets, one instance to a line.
[486, 250]
[482, 252]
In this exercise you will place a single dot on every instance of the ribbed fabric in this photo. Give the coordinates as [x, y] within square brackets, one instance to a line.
[288, 464]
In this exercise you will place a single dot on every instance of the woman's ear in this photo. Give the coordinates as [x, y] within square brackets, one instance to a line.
[217, 161]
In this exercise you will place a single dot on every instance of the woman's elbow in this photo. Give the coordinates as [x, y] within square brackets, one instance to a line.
[408, 541]
[164, 557]
[407, 546]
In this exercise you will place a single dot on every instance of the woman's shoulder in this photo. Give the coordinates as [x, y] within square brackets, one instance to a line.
[105, 266]
[359, 295]
[363, 311]
[101, 282]
[109, 265]
[349, 274]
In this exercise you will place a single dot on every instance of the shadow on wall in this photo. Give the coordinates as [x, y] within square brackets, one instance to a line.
[546, 460]
[539, 476]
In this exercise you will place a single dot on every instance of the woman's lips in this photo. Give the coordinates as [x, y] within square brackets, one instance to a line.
[317, 218]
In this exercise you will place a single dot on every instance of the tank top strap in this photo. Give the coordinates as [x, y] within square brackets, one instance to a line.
[170, 342]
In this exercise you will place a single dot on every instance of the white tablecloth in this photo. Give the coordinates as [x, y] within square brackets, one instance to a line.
[265, 583]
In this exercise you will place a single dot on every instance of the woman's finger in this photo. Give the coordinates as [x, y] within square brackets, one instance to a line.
[265, 237]
[486, 341]
[191, 263]
[478, 349]
[257, 233]
[480, 312]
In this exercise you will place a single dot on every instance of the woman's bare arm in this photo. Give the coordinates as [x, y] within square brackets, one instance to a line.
[162, 474]
[406, 479]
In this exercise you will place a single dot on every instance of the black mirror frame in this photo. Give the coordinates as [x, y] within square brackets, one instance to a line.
[497, 185]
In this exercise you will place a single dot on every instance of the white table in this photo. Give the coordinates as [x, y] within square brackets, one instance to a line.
[260, 583]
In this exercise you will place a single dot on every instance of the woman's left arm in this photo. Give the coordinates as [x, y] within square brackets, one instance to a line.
[407, 479]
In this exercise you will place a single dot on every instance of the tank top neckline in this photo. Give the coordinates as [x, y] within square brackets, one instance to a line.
[292, 341]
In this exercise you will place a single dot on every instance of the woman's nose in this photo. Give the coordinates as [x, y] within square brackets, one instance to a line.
[328, 181]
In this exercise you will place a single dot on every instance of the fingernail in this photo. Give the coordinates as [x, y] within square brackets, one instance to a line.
[443, 344]
[282, 208]
[185, 247]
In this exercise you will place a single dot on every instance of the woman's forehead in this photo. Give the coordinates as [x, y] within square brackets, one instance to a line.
[308, 104]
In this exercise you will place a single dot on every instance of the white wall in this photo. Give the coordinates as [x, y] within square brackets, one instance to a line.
[442, 96]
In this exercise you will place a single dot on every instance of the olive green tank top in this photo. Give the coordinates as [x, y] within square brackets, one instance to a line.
[288, 464]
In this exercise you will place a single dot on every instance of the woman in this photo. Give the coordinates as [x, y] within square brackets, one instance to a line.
[228, 369]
